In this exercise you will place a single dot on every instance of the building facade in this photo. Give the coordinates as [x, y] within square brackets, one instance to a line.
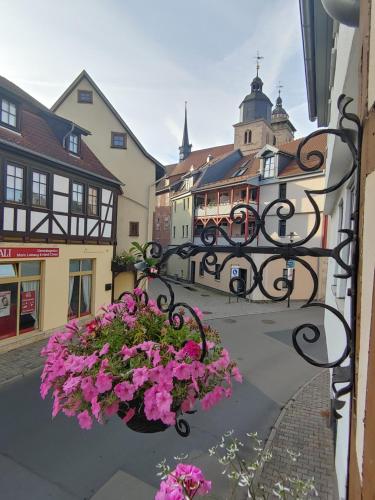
[258, 168]
[341, 60]
[58, 206]
[119, 149]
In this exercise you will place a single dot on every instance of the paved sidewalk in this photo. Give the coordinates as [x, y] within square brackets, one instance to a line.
[21, 361]
[303, 427]
[215, 304]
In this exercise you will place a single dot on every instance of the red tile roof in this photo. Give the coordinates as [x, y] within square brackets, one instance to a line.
[318, 143]
[37, 136]
[199, 158]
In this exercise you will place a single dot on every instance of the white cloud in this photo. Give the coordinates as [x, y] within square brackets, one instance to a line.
[148, 58]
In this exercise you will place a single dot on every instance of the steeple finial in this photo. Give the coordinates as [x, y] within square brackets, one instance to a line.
[185, 148]
[279, 87]
[258, 58]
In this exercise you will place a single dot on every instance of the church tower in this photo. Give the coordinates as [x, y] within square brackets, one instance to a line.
[254, 130]
[280, 123]
[185, 148]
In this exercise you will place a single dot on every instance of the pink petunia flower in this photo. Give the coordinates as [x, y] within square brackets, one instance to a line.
[236, 374]
[112, 409]
[104, 349]
[85, 420]
[140, 376]
[192, 349]
[103, 382]
[124, 391]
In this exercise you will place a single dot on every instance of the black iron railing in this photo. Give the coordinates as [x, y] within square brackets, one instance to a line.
[343, 365]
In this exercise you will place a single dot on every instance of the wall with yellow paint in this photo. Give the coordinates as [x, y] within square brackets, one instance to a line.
[130, 165]
[55, 283]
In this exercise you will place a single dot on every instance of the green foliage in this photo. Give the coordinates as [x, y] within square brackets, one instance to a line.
[241, 466]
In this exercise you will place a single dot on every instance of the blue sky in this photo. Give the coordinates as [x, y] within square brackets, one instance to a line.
[149, 56]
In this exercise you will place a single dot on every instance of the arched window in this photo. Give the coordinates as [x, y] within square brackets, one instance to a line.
[247, 138]
[274, 141]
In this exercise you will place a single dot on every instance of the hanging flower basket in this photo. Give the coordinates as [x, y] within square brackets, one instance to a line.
[145, 362]
[139, 422]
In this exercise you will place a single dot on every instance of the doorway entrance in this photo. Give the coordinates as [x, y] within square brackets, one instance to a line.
[243, 283]
[192, 271]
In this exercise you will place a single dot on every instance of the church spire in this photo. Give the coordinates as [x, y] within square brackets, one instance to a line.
[185, 148]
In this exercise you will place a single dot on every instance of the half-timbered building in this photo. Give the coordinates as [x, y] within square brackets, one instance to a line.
[58, 207]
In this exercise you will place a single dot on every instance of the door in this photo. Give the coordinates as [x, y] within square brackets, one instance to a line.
[192, 271]
[243, 284]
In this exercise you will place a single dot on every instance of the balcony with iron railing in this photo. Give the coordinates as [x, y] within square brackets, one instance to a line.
[214, 209]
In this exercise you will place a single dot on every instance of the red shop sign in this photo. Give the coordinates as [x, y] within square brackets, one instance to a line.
[28, 302]
[27, 253]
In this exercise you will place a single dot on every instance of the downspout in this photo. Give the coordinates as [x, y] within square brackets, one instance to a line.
[68, 133]
[307, 28]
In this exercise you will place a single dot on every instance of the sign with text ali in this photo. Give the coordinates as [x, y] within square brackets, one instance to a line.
[27, 253]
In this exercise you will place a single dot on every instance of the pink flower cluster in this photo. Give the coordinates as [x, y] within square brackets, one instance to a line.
[186, 481]
[90, 379]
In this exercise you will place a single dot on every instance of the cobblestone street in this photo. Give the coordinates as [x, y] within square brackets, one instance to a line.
[303, 428]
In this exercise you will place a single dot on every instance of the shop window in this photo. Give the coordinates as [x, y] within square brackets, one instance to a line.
[19, 298]
[80, 287]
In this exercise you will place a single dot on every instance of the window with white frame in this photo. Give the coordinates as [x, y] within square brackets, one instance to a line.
[14, 183]
[73, 143]
[269, 167]
[77, 197]
[8, 113]
[39, 186]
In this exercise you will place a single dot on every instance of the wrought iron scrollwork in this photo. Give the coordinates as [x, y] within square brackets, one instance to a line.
[211, 247]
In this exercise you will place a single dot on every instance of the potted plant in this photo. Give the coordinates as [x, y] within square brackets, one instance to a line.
[137, 361]
[132, 259]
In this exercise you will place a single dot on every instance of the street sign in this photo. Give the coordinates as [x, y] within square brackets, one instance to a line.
[291, 264]
[235, 272]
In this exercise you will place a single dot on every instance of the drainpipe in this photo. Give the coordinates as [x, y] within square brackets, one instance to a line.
[307, 28]
[68, 133]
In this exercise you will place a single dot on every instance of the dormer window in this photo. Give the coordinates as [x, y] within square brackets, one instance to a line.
[269, 167]
[8, 113]
[73, 143]
[247, 138]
